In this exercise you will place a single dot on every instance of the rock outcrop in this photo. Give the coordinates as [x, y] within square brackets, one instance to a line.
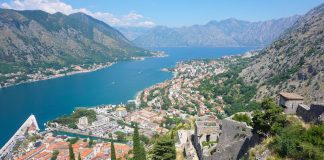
[234, 141]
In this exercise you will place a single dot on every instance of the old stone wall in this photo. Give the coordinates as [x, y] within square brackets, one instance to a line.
[290, 106]
[234, 141]
[312, 114]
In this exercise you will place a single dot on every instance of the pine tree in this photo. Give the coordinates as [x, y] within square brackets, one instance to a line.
[164, 149]
[113, 152]
[71, 153]
[138, 147]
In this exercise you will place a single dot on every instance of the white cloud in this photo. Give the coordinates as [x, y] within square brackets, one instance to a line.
[53, 6]
[146, 24]
[132, 16]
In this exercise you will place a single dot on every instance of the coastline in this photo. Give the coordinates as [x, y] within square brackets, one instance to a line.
[158, 54]
[140, 91]
[62, 75]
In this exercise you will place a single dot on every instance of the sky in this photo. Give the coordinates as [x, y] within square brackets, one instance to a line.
[172, 13]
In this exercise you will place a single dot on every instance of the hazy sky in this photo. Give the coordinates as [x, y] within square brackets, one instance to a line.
[169, 12]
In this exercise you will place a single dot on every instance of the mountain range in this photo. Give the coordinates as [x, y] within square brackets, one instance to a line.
[31, 40]
[226, 33]
[294, 62]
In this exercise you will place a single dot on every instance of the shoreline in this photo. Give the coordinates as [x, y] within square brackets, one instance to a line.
[108, 64]
[61, 75]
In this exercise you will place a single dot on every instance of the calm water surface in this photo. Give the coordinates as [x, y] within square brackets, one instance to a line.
[52, 98]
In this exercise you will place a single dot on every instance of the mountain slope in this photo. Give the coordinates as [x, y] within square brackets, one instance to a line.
[226, 33]
[33, 40]
[295, 62]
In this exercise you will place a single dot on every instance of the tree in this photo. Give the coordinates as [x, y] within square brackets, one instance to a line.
[113, 152]
[243, 118]
[138, 147]
[90, 143]
[267, 103]
[79, 156]
[73, 140]
[164, 149]
[297, 142]
[268, 121]
[120, 135]
[54, 155]
[71, 153]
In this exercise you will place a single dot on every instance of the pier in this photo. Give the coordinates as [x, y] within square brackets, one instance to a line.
[7, 148]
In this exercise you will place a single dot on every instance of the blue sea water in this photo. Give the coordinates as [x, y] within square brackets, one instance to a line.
[55, 97]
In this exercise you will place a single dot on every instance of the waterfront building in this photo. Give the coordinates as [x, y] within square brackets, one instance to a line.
[121, 111]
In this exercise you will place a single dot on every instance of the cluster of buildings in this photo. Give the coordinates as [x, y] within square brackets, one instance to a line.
[104, 126]
[30, 144]
[149, 121]
[49, 144]
[181, 92]
[115, 118]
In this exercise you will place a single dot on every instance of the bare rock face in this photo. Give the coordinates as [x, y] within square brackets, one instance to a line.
[293, 63]
[33, 39]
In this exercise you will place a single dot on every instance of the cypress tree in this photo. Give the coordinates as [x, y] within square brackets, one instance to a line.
[71, 153]
[138, 147]
[143, 153]
[113, 152]
[54, 155]
[79, 156]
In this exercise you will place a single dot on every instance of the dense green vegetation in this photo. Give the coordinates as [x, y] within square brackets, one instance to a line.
[270, 120]
[164, 149]
[54, 155]
[8, 68]
[236, 94]
[171, 122]
[296, 142]
[138, 146]
[91, 143]
[113, 152]
[73, 140]
[243, 118]
[71, 153]
[121, 136]
[71, 120]
[290, 139]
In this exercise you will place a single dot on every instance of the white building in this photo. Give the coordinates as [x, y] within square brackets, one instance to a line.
[83, 121]
[121, 111]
